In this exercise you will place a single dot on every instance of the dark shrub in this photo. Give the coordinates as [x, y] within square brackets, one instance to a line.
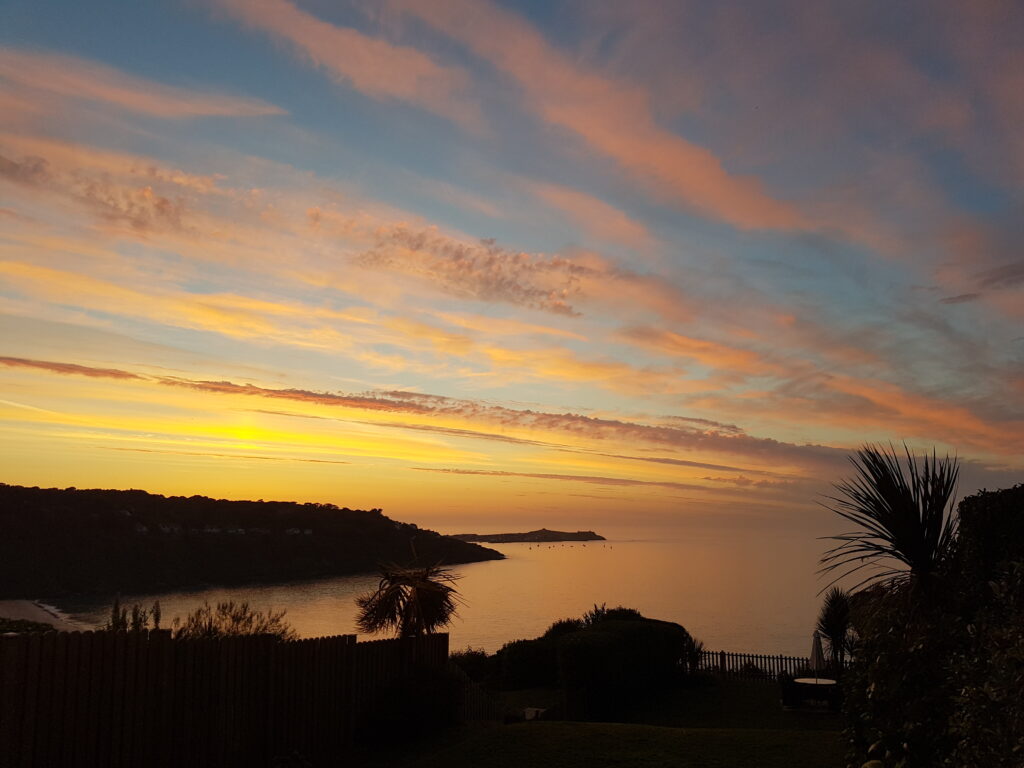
[622, 614]
[611, 664]
[528, 663]
[601, 613]
[475, 662]
[564, 627]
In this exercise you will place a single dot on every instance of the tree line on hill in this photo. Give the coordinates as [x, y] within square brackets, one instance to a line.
[56, 542]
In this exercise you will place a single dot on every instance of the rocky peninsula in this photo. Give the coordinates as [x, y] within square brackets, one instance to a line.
[541, 535]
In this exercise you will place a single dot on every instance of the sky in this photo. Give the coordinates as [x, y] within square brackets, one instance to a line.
[493, 265]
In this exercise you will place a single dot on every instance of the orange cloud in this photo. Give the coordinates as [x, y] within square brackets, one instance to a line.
[593, 215]
[69, 368]
[712, 354]
[614, 118]
[592, 479]
[445, 411]
[372, 66]
[69, 77]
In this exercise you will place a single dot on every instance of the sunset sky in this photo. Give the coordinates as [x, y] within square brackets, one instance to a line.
[495, 265]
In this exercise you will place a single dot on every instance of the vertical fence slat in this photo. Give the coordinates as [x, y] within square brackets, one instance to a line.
[72, 683]
[13, 676]
[143, 698]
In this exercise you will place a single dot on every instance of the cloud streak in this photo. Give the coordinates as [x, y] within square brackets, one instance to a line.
[592, 479]
[73, 78]
[591, 106]
[372, 66]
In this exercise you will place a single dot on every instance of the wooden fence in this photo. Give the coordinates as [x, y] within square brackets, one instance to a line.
[752, 666]
[144, 699]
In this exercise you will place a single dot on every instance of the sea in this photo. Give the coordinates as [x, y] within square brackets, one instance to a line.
[752, 594]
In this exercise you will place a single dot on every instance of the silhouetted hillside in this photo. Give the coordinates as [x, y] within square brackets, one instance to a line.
[56, 542]
[542, 534]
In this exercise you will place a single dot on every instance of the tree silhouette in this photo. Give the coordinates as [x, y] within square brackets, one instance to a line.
[409, 601]
[834, 625]
[904, 514]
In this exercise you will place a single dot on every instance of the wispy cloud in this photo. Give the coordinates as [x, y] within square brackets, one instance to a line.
[373, 66]
[593, 215]
[206, 454]
[70, 77]
[530, 422]
[592, 479]
[142, 208]
[592, 106]
[70, 368]
[483, 271]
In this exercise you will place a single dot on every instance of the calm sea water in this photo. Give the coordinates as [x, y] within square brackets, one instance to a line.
[755, 594]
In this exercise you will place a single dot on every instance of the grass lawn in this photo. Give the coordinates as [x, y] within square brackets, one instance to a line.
[710, 723]
[608, 745]
[714, 702]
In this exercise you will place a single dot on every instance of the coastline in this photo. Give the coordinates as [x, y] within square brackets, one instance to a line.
[33, 610]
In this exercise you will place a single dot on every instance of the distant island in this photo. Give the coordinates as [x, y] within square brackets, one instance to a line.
[541, 535]
[60, 542]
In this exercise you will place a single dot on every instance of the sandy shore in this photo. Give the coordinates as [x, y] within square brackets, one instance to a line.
[33, 611]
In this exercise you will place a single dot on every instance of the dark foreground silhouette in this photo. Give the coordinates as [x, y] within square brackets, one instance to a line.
[541, 535]
[56, 542]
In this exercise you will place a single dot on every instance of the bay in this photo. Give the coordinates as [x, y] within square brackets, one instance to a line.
[753, 593]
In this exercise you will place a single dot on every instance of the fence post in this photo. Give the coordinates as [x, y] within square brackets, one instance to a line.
[721, 662]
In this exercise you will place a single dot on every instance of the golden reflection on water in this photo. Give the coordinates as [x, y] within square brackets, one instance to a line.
[756, 593]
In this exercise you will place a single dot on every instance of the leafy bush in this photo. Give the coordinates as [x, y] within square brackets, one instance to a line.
[623, 614]
[225, 619]
[229, 619]
[606, 667]
[528, 663]
[137, 618]
[694, 651]
[602, 613]
[938, 678]
[987, 721]
[475, 662]
[564, 627]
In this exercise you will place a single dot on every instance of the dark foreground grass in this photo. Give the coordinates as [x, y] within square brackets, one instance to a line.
[608, 745]
[715, 702]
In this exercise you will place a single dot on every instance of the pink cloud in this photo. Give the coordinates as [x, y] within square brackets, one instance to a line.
[370, 65]
[612, 117]
[141, 207]
[593, 215]
[715, 355]
[70, 77]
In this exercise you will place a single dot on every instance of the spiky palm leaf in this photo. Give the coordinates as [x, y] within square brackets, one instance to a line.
[834, 624]
[905, 516]
[409, 601]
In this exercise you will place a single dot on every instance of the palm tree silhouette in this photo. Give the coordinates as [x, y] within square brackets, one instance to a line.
[409, 601]
[834, 625]
[905, 515]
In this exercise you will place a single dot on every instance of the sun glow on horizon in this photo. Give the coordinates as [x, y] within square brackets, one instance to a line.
[447, 277]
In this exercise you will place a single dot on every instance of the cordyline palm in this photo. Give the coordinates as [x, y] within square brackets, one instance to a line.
[904, 515]
[834, 625]
[409, 601]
